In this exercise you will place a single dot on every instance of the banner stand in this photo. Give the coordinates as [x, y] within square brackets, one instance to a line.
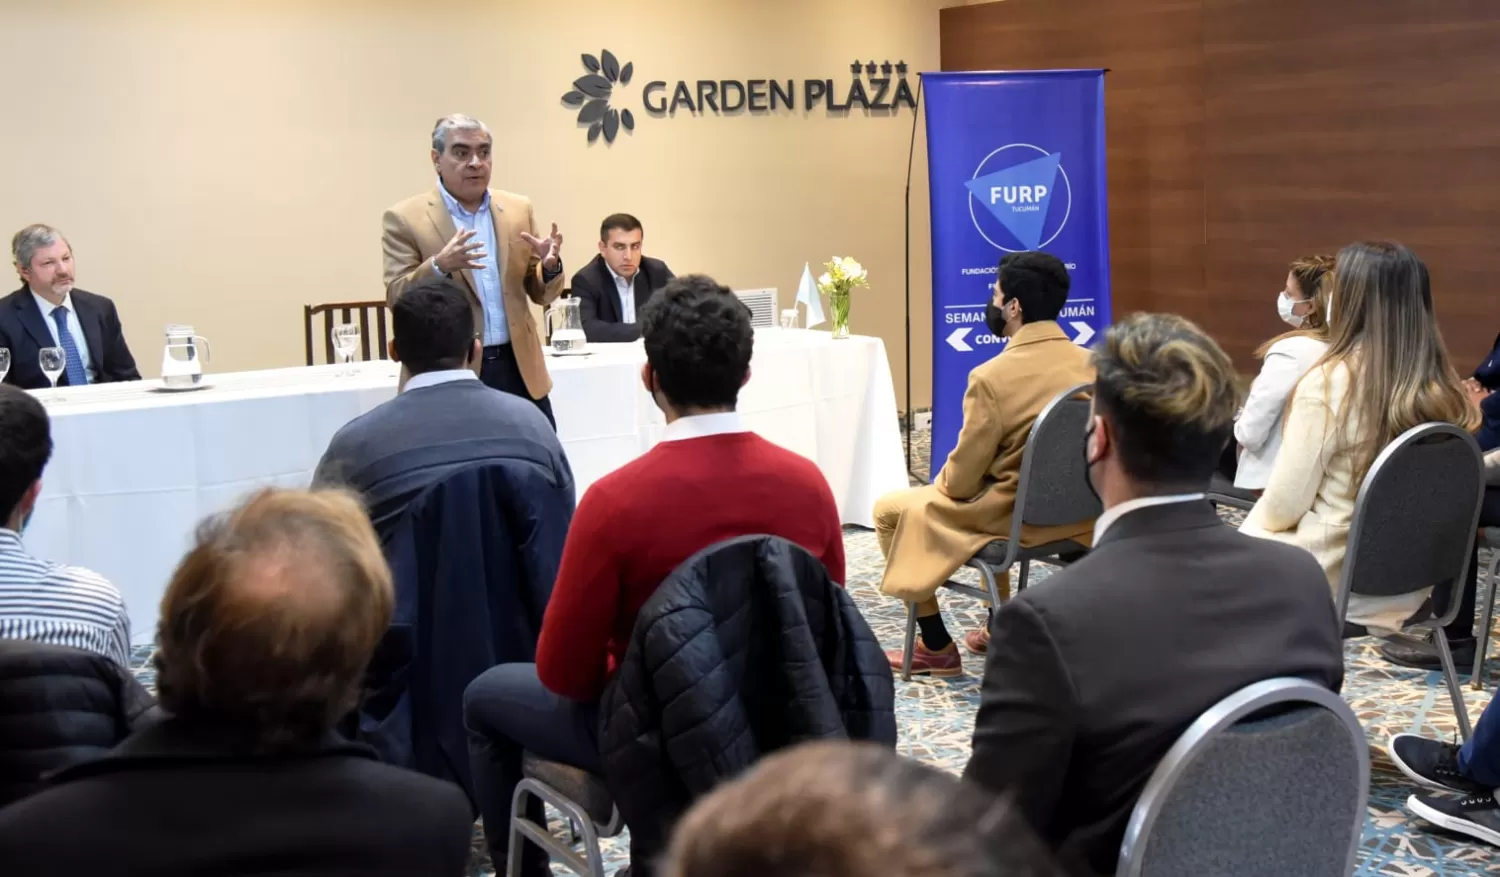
[1016, 162]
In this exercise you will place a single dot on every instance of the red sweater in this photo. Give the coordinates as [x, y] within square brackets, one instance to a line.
[637, 524]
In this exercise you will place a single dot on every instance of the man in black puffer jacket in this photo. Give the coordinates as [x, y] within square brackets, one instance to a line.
[747, 648]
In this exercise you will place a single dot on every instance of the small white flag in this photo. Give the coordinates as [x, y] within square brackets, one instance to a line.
[807, 294]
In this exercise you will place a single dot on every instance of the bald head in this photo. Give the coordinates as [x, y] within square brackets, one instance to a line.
[270, 620]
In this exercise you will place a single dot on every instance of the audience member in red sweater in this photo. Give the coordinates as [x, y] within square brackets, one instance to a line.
[708, 480]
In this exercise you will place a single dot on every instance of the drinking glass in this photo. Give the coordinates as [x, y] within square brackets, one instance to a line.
[54, 361]
[345, 341]
[4, 362]
[789, 318]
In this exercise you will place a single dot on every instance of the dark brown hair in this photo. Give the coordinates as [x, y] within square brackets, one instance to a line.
[841, 809]
[271, 618]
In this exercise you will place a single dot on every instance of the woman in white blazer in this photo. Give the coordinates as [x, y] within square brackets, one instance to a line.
[1303, 304]
[1386, 371]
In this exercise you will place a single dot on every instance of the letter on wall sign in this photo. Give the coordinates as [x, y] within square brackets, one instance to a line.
[757, 95]
[732, 95]
[785, 96]
[683, 98]
[708, 95]
[652, 89]
[816, 90]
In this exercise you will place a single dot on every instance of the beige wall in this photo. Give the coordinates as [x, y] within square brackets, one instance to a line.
[225, 163]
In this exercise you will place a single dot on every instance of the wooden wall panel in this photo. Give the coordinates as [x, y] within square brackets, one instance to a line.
[1153, 121]
[1340, 120]
[1245, 132]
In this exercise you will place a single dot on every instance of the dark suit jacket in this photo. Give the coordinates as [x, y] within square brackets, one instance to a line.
[599, 299]
[23, 328]
[1488, 375]
[1094, 674]
[392, 453]
[177, 799]
[473, 560]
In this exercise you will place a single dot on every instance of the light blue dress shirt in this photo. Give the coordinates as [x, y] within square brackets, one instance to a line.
[75, 329]
[626, 290]
[487, 279]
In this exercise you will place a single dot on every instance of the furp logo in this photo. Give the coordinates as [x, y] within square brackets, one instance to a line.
[1015, 185]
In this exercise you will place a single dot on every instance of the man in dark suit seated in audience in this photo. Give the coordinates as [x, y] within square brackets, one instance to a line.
[1093, 674]
[443, 417]
[266, 629]
[49, 312]
[709, 479]
[614, 287]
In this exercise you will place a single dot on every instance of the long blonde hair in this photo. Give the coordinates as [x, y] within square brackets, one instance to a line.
[1385, 332]
[1314, 276]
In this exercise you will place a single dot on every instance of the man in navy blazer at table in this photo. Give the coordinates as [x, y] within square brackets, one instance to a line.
[49, 312]
[614, 287]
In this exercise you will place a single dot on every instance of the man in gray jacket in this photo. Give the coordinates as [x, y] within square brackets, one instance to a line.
[441, 419]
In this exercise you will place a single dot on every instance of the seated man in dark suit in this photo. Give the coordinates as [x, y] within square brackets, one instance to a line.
[442, 418]
[266, 629]
[1093, 674]
[619, 281]
[49, 312]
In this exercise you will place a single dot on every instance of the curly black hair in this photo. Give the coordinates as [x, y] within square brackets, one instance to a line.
[698, 341]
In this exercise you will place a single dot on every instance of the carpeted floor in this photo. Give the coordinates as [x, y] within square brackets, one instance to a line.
[936, 720]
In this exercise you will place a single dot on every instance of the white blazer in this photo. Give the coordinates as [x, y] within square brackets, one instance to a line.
[1258, 429]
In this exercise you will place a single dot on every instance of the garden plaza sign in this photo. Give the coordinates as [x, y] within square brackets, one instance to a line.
[871, 86]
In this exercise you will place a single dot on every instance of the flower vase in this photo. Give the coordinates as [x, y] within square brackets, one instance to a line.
[838, 302]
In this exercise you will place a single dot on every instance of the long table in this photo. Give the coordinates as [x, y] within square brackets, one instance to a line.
[136, 467]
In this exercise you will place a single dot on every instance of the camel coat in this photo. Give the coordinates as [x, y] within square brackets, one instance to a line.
[928, 532]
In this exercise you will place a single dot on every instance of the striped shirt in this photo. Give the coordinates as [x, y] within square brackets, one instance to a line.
[63, 605]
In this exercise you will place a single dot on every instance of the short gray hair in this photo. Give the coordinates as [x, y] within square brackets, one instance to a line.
[30, 239]
[455, 122]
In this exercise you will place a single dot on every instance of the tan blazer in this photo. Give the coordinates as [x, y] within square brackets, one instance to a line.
[412, 233]
[971, 501]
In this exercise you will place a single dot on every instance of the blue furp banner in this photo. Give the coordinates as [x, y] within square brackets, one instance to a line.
[1015, 162]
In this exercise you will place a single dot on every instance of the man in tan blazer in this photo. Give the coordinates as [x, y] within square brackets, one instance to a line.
[927, 533]
[485, 239]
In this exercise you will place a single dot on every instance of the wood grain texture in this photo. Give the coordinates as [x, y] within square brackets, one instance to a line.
[1243, 133]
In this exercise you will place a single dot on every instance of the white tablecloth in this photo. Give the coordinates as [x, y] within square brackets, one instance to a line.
[134, 468]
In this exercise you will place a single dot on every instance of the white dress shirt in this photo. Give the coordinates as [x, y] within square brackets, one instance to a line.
[1258, 428]
[75, 329]
[700, 425]
[432, 379]
[1115, 513]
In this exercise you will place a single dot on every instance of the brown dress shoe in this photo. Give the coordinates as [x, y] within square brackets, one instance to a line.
[977, 641]
[943, 663]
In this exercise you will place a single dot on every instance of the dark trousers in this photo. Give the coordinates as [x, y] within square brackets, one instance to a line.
[507, 711]
[501, 372]
[1463, 624]
[1479, 759]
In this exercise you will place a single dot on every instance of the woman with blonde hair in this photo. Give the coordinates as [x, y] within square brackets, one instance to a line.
[1386, 370]
[1303, 304]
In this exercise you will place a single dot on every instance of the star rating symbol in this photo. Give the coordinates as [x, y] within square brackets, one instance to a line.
[901, 68]
[885, 69]
[856, 67]
[870, 68]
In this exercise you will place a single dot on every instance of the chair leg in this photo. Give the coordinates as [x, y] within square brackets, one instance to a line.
[1450, 675]
[591, 864]
[1025, 574]
[991, 584]
[911, 641]
[1483, 633]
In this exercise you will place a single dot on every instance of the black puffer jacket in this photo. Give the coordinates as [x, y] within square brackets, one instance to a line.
[60, 706]
[748, 647]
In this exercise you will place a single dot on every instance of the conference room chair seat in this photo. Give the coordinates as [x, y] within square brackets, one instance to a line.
[1273, 778]
[1053, 490]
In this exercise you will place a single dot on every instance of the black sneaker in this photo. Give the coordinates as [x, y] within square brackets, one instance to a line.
[1477, 815]
[1432, 763]
[1425, 656]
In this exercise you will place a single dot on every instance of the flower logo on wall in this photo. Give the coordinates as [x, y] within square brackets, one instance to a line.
[591, 93]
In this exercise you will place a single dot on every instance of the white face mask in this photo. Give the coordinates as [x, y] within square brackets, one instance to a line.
[1284, 305]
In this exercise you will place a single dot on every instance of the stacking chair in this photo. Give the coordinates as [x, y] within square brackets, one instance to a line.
[1488, 538]
[1221, 491]
[1272, 779]
[580, 797]
[347, 312]
[1413, 528]
[1053, 490]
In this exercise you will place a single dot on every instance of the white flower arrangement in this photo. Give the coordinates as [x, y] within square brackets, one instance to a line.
[842, 276]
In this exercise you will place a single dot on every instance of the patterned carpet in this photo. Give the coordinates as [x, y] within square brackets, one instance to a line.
[936, 719]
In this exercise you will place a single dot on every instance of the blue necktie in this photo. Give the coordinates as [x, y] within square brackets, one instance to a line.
[77, 375]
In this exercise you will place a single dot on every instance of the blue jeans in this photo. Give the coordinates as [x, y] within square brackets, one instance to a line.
[507, 711]
[1479, 759]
